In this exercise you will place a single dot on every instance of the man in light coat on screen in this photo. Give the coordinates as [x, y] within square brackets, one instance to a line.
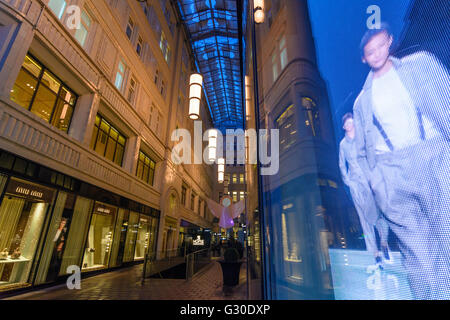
[402, 118]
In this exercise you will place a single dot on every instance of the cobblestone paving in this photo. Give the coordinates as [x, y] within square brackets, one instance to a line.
[126, 284]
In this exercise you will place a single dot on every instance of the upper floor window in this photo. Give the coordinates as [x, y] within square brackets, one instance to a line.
[82, 33]
[274, 66]
[152, 107]
[146, 168]
[132, 91]
[163, 88]
[58, 7]
[165, 48]
[283, 53]
[39, 91]
[139, 46]
[108, 141]
[183, 195]
[156, 79]
[241, 178]
[120, 75]
[130, 28]
[192, 201]
[288, 130]
[311, 115]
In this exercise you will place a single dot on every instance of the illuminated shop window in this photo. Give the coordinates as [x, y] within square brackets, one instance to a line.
[39, 91]
[99, 238]
[23, 213]
[311, 115]
[108, 141]
[288, 130]
[146, 168]
[143, 237]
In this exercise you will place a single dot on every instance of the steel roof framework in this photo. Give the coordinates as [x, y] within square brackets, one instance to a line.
[214, 33]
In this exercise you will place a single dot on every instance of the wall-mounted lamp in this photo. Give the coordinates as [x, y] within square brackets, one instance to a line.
[195, 95]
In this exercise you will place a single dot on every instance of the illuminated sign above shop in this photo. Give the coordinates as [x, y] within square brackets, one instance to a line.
[29, 191]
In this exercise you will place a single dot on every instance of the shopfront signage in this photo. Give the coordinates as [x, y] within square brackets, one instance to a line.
[199, 242]
[104, 209]
[29, 191]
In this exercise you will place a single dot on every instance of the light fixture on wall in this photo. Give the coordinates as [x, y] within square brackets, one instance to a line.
[195, 95]
[259, 11]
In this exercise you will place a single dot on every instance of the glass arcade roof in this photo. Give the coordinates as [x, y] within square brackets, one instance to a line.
[214, 34]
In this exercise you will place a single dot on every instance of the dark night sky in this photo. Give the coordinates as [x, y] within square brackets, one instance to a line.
[338, 26]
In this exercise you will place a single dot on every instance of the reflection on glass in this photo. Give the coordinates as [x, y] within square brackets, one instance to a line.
[143, 237]
[118, 246]
[78, 228]
[133, 227]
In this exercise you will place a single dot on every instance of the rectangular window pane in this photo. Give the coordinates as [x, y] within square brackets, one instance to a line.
[94, 137]
[119, 155]
[81, 35]
[50, 82]
[43, 103]
[23, 89]
[140, 169]
[101, 143]
[110, 149]
[32, 66]
[63, 114]
[58, 7]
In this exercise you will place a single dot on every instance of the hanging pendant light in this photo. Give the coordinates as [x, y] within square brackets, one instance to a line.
[195, 95]
[212, 140]
[221, 169]
[259, 11]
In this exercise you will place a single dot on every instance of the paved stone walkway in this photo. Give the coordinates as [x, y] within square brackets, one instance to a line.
[126, 284]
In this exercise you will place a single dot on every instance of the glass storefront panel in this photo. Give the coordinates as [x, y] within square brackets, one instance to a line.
[100, 237]
[120, 235]
[22, 215]
[73, 252]
[143, 237]
[133, 227]
[52, 254]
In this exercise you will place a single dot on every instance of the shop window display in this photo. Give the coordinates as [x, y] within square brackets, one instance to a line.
[143, 237]
[133, 224]
[100, 237]
[22, 215]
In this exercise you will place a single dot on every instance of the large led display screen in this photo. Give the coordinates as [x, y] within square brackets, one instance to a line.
[386, 66]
